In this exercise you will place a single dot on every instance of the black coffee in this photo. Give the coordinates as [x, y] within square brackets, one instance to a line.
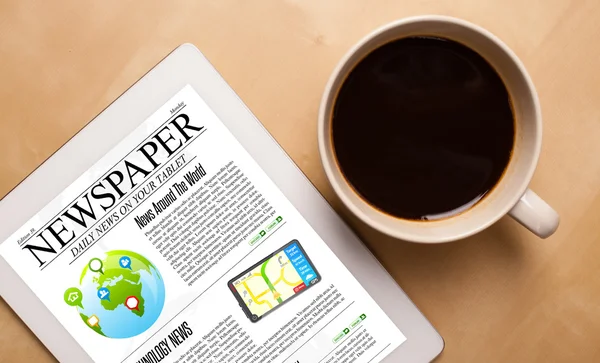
[423, 128]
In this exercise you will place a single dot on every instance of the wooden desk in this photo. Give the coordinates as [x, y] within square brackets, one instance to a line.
[500, 296]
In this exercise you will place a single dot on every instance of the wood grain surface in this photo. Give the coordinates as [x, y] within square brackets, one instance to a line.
[500, 296]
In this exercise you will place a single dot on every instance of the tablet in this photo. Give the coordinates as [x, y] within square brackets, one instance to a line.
[173, 228]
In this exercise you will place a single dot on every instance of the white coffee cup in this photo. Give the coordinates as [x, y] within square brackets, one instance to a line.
[510, 196]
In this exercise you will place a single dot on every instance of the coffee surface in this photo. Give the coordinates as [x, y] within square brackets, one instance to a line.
[423, 128]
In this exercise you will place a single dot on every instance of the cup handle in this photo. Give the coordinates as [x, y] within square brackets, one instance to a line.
[535, 215]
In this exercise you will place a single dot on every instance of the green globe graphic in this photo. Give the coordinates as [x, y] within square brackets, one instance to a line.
[121, 294]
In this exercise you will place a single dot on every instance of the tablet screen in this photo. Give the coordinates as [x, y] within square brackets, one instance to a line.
[177, 247]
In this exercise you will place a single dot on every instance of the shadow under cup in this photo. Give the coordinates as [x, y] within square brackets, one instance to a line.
[527, 132]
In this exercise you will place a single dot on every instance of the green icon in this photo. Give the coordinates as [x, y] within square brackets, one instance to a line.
[95, 265]
[346, 331]
[262, 233]
[363, 316]
[279, 219]
[338, 337]
[355, 323]
[73, 297]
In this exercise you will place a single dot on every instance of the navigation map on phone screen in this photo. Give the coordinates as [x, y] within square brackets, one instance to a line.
[274, 280]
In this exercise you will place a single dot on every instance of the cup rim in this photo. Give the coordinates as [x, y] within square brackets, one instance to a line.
[330, 166]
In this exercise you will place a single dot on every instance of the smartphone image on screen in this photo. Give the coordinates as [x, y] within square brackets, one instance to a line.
[273, 281]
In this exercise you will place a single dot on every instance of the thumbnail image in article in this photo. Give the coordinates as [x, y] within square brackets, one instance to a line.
[273, 281]
[120, 294]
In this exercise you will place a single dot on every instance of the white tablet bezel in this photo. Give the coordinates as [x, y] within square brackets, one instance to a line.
[186, 65]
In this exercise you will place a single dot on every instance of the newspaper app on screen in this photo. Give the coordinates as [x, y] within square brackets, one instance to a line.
[177, 247]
